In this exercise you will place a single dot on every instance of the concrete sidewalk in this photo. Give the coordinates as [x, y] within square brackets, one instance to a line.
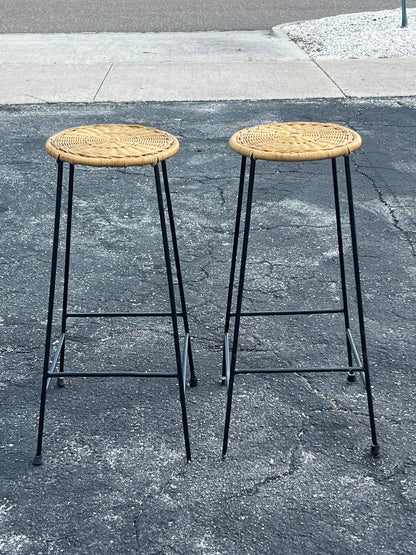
[131, 67]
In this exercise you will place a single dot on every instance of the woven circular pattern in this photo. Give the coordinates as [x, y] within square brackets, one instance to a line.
[295, 141]
[112, 145]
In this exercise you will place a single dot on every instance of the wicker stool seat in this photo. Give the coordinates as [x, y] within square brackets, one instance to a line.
[294, 142]
[116, 145]
[112, 145]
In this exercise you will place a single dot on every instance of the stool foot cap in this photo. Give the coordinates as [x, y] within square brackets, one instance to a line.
[351, 377]
[375, 451]
[223, 380]
[60, 382]
[37, 460]
[193, 381]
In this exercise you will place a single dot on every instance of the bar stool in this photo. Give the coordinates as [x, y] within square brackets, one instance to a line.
[294, 142]
[115, 146]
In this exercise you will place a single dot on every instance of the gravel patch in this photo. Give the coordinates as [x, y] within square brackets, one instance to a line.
[361, 35]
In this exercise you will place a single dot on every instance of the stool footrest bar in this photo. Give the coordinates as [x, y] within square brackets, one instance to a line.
[119, 314]
[290, 312]
[299, 370]
[112, 374]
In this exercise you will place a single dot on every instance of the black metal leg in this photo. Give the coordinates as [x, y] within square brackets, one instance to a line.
[375, 447]
[61, 381]
[173, 310]
[193, 379]
[239, 302]
[38, 457]
[351, 375]
[234, 259]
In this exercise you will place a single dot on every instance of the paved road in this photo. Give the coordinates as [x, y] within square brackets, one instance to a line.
[65, 16]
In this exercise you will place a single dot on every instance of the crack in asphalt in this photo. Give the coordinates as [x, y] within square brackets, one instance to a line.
[390, 208]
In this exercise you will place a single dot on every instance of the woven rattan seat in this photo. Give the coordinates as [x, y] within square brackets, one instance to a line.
[112, 145]
[295, 141]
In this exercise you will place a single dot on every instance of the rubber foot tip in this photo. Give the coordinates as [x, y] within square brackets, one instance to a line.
[351, 377]
[193, 381]
[375, 451]
[60, 382]
[223, 380]
[37, 460]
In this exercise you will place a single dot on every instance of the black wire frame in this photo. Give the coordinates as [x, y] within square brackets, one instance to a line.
[356, 362]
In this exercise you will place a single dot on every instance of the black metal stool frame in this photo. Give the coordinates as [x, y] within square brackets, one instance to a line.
[355, 363]
[50, 368]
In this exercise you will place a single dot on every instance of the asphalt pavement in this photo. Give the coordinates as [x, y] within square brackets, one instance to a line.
[76, 16]
[299, 477]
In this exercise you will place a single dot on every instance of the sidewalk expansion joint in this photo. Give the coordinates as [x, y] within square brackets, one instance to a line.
[329, 77]
[102, 82]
